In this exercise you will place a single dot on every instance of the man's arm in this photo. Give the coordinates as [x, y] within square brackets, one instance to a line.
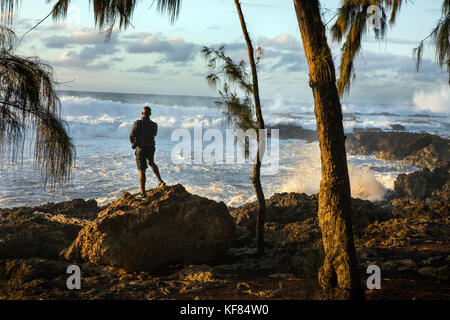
[133, 133]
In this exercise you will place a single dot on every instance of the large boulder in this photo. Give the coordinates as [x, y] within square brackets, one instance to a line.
[171, 226]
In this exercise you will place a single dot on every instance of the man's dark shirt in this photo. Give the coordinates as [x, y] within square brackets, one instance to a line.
[144, 132]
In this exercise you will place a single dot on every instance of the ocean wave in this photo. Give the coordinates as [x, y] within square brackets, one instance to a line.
[90, 117]
[365, 183]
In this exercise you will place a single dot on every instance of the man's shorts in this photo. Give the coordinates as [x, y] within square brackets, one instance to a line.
[143, 155]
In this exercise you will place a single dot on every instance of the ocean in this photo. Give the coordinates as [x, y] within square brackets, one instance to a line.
[99, 124]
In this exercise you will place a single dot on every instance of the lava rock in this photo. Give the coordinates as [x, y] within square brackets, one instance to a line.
[171, 226]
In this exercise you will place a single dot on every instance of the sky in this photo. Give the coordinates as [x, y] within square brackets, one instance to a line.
[154, 56]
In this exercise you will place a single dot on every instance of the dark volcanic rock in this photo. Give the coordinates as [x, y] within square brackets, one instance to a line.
[397, 127]
[45, 230]
[423, 183]
[281, 208]
[421, 216]
[34, 234]
[290, 131]
[77, 208]
[419, 149]
[292, 217]
[170, 226]
[408, 238]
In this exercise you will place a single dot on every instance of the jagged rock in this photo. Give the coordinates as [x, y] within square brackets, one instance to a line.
[441, 273]
[170, 226]
[292, 217]
[397, 127]
[443, 194]
[282, 208]
[291, 131]
[77, 208]
[419, 149]
[25, 234]
[394, 243]
[423, 183]
[44, 279]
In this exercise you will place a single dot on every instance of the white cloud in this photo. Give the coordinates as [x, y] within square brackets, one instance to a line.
[87, 58]
[86, 36]
[174, 50]
[151, 68]
[436, 101]
[282, 41]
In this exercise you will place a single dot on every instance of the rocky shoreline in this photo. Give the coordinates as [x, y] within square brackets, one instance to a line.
[418, 149]
[176, 245]
[180, 246]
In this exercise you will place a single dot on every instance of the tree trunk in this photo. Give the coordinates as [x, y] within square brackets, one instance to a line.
[339, 277]
[256, 177]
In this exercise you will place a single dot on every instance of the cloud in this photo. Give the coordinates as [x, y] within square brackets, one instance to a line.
[87, 36]
[292, 61]
[283, 41]
[145, 69]
[117, 59]
[435, 101]
[71, 59]
[392, 41]
[57, 26]
[287, 50]
[232, 46]
[173, 50]
[401, 67]
[86, 58]
[282, 51]
[98, 50]
[22, 25]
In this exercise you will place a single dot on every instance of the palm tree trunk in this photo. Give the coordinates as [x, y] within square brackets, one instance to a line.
[339, 277]
[256, 177]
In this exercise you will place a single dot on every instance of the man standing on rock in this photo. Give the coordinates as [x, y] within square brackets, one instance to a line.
[142, 138]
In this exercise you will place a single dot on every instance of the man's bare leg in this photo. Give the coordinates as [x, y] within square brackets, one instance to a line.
[142, 180]
[156, 172]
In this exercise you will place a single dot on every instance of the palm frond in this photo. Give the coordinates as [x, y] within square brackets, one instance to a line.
[169, 7]
[29, 108]
[351, 24]
[418, 55]
[439, 37]
[107, 13]
[7, 10]
[8, 38]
